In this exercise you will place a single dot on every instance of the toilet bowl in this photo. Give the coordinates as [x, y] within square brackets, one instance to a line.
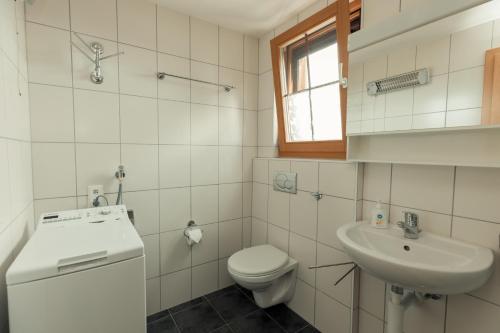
[265, 270]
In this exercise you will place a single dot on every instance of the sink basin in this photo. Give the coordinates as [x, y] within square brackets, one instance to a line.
[429, 264]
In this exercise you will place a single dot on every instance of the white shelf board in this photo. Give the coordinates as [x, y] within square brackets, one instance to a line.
[474, 147]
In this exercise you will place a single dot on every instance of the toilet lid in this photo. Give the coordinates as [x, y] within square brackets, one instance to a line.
[258, 260]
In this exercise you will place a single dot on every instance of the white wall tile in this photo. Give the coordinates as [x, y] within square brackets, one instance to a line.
[468, 46]
[303, 214]
[431, 97]
[482, 234]
[304, 251]
[175, 206]
[230, 164]
[204, 41]
[204, 124]
[153, 296]
[172, 88]
[234, 97]
[469, 314]
[230, 201]
[53, 179]
[398, 123]
[205, 279]
[48, 65]
[137, 71]
[465, 89]
[267, 128]
[173, 32]
[230, 127]
[151, 248]
[324, 277]
[251, 55]
[377, 182]
[468, 117]
[103, 107]
[204, 204]
[247, 199]
[307, 175]
[259, 201]
[46, 104]
[204, 165]
[278, 237]
[331, 316]
[434, 55]
[141, 165]
[138, 120]
[369, 323]
[429, 120]
[337, 179]
[312, 9]
[266, 91]
[146, 210]
[230, 237]
[279, 208]
[225, 280]
[265, 52]
[175, 288]
[174, 166]
[477, 193]
[231, 49]
[203, 93]
[174, 122]
[303, 301]
[372, 294]
[137, 23]
[249, 128]
[175, 254]
[208, 248]
[401, 61]
[431, 187]
[332, 214]
[49, 12]
[259, 232]
[97, 164]
[101, 22]
[247, 232]
[251, 91]
[496, 34]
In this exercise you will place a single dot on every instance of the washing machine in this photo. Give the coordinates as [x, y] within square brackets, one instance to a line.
[82, 271]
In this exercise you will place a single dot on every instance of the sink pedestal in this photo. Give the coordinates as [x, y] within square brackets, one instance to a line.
[398, 303]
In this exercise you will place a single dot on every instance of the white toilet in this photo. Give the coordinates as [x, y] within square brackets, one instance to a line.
[269, 272]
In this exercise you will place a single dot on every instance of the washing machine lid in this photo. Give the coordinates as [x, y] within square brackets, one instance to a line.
[258, 260]
[72, 241]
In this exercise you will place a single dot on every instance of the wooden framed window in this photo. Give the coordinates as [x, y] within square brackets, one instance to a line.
[309, 64]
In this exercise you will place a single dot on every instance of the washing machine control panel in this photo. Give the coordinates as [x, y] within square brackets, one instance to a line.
[89, 215]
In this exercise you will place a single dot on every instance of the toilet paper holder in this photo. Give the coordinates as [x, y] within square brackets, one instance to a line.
[192, 226]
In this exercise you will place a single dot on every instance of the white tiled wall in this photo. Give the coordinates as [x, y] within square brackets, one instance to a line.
[16, 192]
[453, 97]
[457, 202]
[305, 229]
[186, 147]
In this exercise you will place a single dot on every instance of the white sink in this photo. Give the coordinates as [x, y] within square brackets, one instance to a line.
[429, 264]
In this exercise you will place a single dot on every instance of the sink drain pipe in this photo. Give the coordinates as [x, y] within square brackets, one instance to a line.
[397, 305]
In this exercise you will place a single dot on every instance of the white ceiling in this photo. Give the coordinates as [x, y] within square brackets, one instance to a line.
[254, 17]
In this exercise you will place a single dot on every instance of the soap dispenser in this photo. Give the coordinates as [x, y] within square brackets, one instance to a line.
[379, 218]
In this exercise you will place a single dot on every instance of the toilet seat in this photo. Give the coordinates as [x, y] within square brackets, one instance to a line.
[258, 261]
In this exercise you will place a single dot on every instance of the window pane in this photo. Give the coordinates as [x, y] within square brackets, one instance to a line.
[298, 117]
[324, 65]
[327, 118]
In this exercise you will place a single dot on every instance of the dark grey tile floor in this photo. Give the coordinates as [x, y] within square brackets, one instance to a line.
[229, 310]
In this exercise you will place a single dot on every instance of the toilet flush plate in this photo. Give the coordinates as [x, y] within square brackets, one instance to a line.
[285, 181]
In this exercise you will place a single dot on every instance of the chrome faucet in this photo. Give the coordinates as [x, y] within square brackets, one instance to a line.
[410, 225]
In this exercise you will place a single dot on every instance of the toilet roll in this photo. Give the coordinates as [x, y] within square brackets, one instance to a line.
[193, 235]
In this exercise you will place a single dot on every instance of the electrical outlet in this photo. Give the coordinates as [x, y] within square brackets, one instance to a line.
[93, 191]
